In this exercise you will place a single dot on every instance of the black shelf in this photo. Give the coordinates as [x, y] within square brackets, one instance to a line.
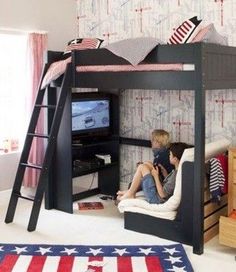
[94, 143]
[59, 194]
[77, 172]
[136, 142]
[85, 194]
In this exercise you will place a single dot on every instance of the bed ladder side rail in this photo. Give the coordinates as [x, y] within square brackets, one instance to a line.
[44, 167]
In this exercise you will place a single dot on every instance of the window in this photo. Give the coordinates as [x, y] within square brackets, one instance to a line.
[13, 89]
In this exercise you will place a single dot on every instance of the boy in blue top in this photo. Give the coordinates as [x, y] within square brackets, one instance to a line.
[160, 140]
[156, 191]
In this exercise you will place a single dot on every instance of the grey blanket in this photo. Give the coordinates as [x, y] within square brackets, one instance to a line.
[134, 50]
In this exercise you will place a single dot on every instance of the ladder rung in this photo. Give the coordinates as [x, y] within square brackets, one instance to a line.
[45, 106]
[31, 165]
[24, 197]
[39, 135]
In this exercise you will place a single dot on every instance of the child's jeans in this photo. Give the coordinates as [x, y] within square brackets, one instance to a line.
[150, 190]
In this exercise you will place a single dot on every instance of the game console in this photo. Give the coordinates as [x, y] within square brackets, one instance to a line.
[105, 157]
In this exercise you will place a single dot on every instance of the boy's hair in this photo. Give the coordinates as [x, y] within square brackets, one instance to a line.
[177, 149]
[161, 136]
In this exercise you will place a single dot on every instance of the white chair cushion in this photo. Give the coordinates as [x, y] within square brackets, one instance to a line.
[211, 150]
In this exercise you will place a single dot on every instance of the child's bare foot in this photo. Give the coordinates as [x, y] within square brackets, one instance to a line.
[120, 193]
[116, 201]
[126, 196]
[118, 198]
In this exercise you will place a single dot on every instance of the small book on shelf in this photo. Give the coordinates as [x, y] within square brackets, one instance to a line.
[90, 205]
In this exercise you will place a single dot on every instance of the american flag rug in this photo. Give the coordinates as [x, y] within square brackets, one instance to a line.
[73, 258]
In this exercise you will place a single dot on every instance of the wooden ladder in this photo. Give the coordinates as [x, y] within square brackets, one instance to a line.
[57, 111]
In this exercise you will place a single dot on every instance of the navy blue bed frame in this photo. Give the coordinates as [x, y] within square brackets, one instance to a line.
[215, 68]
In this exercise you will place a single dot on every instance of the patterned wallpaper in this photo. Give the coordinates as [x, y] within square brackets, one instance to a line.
[141, 111]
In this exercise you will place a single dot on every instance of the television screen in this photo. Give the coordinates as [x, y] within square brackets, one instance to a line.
[90, 115]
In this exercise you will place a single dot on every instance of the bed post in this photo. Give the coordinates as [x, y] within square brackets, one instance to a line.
[199, 154]
[51, 100]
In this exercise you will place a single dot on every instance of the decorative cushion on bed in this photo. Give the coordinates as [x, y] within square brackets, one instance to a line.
[55, 70]
[209, 34]
[83, 43]
[211, 150]
[134, 50]
[186, 31]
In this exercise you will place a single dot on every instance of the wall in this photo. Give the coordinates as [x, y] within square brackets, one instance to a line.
[141, 111]
[8, 166]
[56, 17]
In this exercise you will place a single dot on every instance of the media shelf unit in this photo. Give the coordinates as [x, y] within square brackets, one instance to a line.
[71, 148]
[85, 153]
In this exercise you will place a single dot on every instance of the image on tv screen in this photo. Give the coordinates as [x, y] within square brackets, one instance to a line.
[91, 114]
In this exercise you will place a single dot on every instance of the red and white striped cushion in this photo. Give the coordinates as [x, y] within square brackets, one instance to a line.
[55, 70]
[83, 43]
[186, 31]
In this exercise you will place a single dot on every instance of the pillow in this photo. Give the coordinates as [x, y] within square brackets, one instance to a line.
[209, 34]
[83, 43]
[55, 70]
[186, 31]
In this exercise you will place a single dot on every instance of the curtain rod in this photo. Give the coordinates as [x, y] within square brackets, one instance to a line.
[21, 31]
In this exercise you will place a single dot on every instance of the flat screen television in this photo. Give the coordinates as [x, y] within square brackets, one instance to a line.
[91, 115]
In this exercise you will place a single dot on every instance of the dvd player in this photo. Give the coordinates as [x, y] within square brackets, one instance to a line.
[86, 164]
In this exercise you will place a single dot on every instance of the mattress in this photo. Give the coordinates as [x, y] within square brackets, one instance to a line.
[58, 68]
[139, 67]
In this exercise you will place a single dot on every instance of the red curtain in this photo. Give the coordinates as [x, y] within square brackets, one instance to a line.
[37, 45]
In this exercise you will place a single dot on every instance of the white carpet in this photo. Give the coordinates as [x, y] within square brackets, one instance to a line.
[101, 227]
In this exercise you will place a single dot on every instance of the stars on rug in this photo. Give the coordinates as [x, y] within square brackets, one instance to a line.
[177, 269]
[174, 259]
[120, 251]
[20, 250]
[95, 251]
[171, 251]
[146, 251]
[44, 250]
[69, 251]
[170, 257]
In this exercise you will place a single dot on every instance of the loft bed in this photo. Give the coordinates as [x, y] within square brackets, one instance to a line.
[214, 68]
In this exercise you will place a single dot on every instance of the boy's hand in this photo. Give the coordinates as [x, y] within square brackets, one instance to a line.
[163, 170]
[138, 163]
[155, 171]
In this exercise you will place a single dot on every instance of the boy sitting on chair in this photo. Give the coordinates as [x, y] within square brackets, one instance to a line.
[160, 141]
[156, 191]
